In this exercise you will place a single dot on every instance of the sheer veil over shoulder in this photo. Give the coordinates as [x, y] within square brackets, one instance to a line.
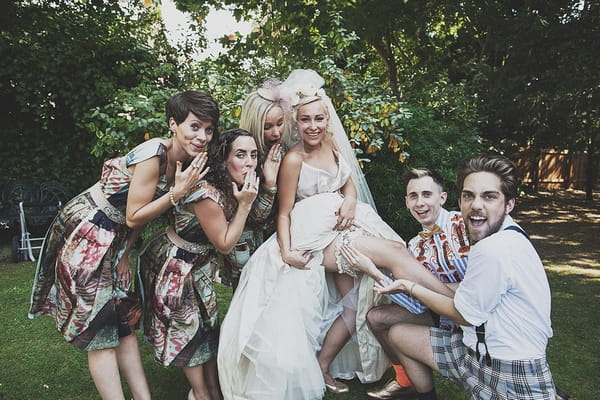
[308, 82]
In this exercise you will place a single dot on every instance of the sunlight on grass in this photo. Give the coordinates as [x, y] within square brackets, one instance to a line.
[37, 364]
[33, 352]
[569, 269]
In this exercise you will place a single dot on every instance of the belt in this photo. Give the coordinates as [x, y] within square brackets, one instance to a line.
[113, 213]
[195, 248]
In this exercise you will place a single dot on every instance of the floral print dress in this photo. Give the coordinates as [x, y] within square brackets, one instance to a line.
[75, 279]
[180, 302]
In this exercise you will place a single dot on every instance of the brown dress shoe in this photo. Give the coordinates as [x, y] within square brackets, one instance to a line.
[391, 390]
[561, 394]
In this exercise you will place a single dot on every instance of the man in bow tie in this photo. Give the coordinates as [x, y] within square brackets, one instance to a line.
[441, 247]
[502, 304]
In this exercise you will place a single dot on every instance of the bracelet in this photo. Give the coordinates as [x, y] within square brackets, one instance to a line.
[172, 197]
[271, 190]
[410, 291]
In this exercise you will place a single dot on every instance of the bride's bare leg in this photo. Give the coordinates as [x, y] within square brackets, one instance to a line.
[388, 254]
[395, 257]
[340, 331]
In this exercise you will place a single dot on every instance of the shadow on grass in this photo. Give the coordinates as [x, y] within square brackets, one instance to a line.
[32, 352]
[37, 364]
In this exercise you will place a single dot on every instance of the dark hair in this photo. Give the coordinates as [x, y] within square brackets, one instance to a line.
[197, 102]
[416, 173]
[218, 175]
[501, 166]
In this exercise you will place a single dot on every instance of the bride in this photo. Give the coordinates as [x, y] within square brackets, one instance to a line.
[291, 327]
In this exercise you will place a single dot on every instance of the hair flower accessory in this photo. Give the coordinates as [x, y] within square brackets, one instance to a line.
[301, 83]
[270, 90]
[268, 94]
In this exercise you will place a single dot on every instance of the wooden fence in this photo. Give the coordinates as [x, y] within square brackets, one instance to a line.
[555, 169]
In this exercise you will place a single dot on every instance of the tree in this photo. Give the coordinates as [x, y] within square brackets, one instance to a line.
[534, 72]
[58, 60]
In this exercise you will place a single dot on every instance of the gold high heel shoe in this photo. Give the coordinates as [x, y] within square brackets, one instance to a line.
[338, 388]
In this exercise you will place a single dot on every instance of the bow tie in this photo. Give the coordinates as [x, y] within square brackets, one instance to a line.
[433, 231]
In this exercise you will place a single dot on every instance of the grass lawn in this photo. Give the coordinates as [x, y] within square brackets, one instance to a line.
[36, 363]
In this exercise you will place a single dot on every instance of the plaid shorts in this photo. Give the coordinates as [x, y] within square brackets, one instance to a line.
[503, 380]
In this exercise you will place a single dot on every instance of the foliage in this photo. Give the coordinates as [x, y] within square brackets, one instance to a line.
[226, 85]
[139, 114]
[524, 72]
[404, 44]
[126, 121]
[60, 59]
[431, 143]
[370, 113]
[532, 66]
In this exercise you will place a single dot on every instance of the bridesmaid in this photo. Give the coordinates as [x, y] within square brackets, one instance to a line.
[181, 319]
[266, 115]
[83, 275]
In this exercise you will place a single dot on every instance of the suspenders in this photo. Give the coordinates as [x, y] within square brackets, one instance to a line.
[517, 229]
[480, 330]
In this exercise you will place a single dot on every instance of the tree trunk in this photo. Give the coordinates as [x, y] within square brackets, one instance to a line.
[385, 51]
[591, 173]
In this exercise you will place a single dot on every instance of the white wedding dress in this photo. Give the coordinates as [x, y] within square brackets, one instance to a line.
[279, 315]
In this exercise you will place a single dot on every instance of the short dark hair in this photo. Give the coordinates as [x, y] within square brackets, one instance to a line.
[501, 166]
[416, 173]
[197, 102]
